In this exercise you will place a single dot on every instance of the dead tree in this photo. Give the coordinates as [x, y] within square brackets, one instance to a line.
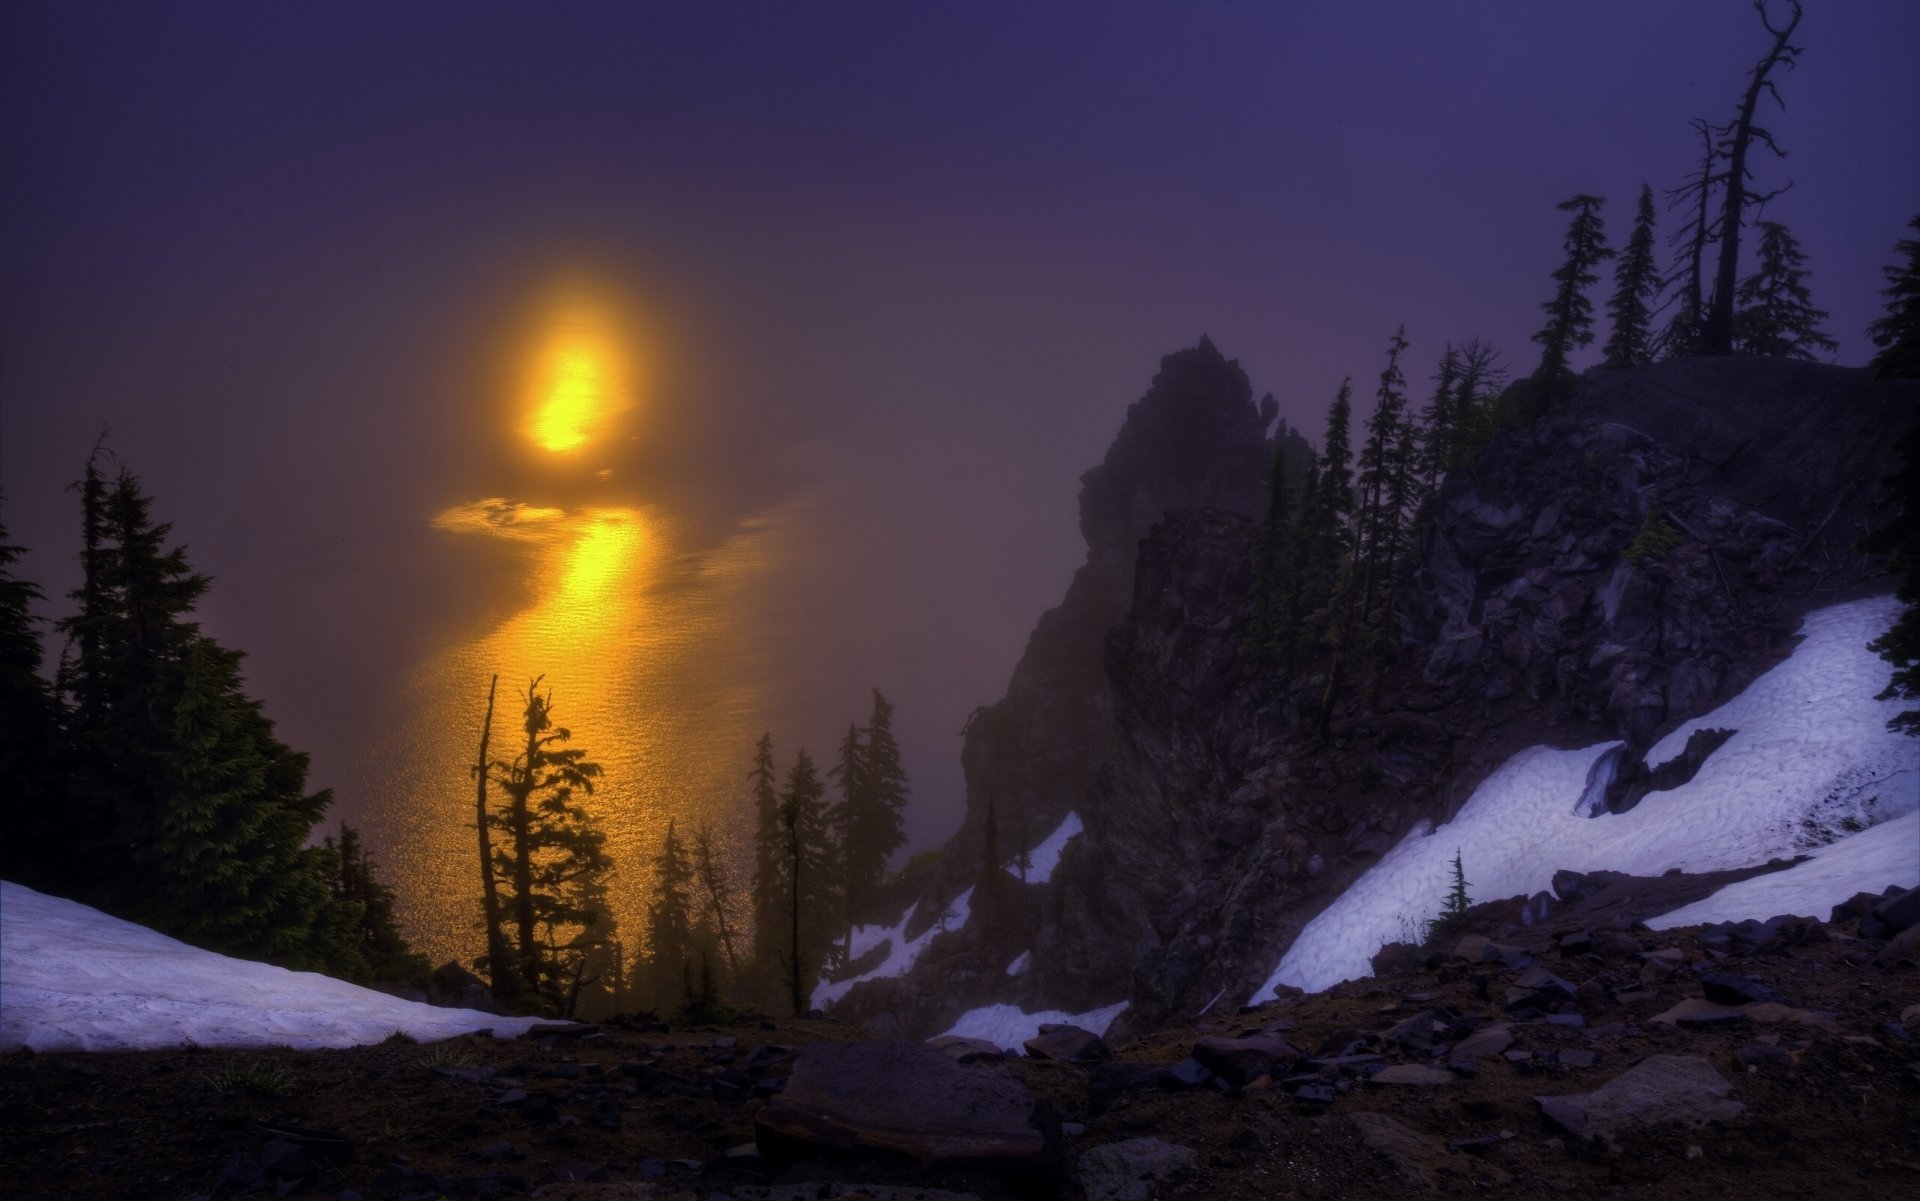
[1716, 335]
[504, 982]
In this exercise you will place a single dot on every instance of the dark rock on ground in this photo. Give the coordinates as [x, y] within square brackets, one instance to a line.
[905, 1098]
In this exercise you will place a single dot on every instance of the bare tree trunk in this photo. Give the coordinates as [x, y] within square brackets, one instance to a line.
[796, 971]
[1717, 338]
[498, 971]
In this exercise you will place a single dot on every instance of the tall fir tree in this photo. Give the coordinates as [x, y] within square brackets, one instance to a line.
[382, 952]
[1439, 420]
[1481, 380]
[1383, 491]
[1569, 324]
[810, 904]
[38, 849]
[1636, 284]
[874, 828]
[1336, 467]
[670, 921]
[547, 843]
[195, 815]
[769, 862]
[1897, 334]
[1776, 315]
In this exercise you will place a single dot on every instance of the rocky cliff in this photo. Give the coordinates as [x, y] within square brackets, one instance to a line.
[1607, 573]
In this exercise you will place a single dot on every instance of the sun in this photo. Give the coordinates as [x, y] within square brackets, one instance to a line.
[579, 384]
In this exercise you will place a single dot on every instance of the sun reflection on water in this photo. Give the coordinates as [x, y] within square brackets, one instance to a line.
[652, 648]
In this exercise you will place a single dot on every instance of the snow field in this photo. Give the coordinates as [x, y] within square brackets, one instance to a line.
[903, 953]
[1812, 758]
[1889, 853]
[1044, 858]
[74, 979]
[1009, 1026]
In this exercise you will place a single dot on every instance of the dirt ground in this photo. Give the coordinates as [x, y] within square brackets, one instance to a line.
[1829, 1077]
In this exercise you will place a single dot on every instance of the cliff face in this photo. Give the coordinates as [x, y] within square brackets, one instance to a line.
[1606, 574]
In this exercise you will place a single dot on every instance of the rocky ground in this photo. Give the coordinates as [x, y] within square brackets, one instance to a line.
[1756, 1061]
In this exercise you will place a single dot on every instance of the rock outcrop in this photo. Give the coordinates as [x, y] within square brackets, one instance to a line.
[1607, 573]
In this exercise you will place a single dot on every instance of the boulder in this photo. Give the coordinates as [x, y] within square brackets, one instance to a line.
[1661, 1089]
[966, 1050]
[1241, 1060]
[905, 1098]
[1130, 1170]
[1411, 1073]
[1070, 1044]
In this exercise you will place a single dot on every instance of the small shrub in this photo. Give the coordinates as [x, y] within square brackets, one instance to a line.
[261, 1078]
[1656, 540]
[447, 1055]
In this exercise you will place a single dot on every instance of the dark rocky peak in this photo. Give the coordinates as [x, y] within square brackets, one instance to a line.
[1195, 440]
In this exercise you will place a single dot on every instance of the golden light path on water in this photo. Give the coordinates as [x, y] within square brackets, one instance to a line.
[652, 650]
[653, 665]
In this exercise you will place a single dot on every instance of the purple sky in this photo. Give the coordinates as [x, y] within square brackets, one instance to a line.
[912, 260]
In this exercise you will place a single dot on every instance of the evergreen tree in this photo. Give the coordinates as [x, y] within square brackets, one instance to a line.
[1267, 633]
[1899, 541]
[769, 861]
[867, 821]
[1898, 333]
[38, 848]
[670, 920]
[381, 950]
[1636, 282]
[1776, 314]
[195, 815]
[1570, 314]
[810, 902]
[1383, 492]
[1336, 468]
[1439, 421]
[548, 844]
[1457, 898]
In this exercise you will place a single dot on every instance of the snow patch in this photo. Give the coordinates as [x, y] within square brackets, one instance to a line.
[1889, 853]
[1009, 1026]
[1020, 964]
[903, 953]
[1044, 858]
[1812, 761]
[74, 979]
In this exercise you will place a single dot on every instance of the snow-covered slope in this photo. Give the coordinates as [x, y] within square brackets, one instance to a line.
[74, 979]
[1812, 763]
[902, 951]
[1009, 1026]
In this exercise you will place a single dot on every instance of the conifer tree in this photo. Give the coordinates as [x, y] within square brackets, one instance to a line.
[1382, 487]
[670, 919]
[196, 815]
[1336, 467]
[868, 820]
[1272, 582]
[1636, 282]
[1776, 315]
[382, 952]
[38, 847]
[1898, 333]
[1570, 314]
[809, 903]
[1438, 421]
[1898, 336]
[769, 861]
[548, 843]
